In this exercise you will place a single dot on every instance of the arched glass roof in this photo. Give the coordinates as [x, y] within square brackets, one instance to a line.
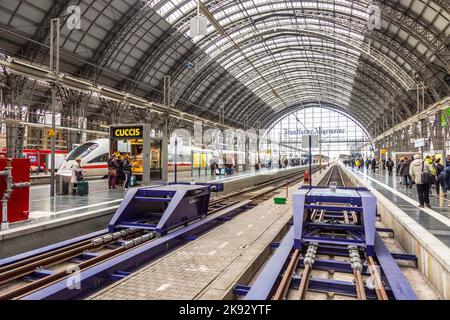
[258, 59]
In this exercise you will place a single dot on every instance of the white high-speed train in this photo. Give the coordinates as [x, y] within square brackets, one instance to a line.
[94, 156]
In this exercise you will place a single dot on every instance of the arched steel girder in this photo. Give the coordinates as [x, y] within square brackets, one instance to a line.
[346, 71]
[314, 93]
[334, 94]
[322, 83]
[385, 62]
[115, 39]
[365, 90]
[336, 54]
[391, 15]
[270, 123]
[295, 34]
[317, 61]
[207, 70]
[431, 41]
[32, 49]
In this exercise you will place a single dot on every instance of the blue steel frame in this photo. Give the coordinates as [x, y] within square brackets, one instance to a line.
[32, 253]
[358, 200]
[172, 206]
[303, 231]
[116, 268]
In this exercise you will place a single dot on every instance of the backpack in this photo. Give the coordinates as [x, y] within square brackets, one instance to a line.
[426, 177]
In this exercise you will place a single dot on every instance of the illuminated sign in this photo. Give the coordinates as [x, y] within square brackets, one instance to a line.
[135, 132]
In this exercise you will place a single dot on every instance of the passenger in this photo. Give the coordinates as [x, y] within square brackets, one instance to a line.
[357, 164]
[367, 164]
[430, 161]
[399, 166]
[439, 176]
[404, 173]
[390, 166]
[112, 171]
[384, 164]
[286, 162]
[420, 172]
[374, 164]
[77, 175]
[126, 167]
[120, 176]
[446, 185]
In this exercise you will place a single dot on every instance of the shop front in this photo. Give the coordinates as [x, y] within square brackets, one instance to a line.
[146, 152]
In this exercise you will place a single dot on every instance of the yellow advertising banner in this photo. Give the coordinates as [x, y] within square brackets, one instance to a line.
[203, 160]
[383, 152]
[196, 160]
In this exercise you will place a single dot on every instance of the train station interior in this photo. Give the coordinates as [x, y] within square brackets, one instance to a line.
[246, 150]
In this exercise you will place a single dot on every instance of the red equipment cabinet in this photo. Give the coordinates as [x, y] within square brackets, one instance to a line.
[19, 201]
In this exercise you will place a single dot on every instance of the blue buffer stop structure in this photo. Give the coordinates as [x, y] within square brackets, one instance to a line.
[332, 223]
[162, 208]
[334, 204]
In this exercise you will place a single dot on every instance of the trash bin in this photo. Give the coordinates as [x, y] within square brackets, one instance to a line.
[62, 184]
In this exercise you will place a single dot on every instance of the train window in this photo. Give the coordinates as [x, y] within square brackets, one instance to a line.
[82, 151]
[102, 158]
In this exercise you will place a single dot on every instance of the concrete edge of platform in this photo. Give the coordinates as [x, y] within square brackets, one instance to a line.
[433, 256]
[244, 269]
[47, 225]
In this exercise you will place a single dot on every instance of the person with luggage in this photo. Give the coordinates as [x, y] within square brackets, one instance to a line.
[446, 179]
[112, 171]
[421, 173]
[367, 164]
[373, 164]
[404, 172]
[390, 166]
[126, 168]
[77, 175]
[439, 176]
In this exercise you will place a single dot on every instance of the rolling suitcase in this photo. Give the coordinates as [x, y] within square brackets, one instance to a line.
[83, 188]
[132, 181]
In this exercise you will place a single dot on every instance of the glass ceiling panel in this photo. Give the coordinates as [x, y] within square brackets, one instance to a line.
[281, 36]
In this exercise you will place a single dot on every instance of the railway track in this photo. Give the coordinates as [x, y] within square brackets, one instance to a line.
[23, 277]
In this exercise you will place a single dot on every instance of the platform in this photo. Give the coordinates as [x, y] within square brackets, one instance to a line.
[435, 220]
[74, 215]
[422, 232]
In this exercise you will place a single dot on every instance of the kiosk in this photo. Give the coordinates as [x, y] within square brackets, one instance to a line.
[148, 154]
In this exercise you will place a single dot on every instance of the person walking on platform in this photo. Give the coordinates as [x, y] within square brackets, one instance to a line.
[126, 167]
[399, 166]
[430, 161]
[421, 173]
[390, 166]
[373, 164]
[446, 179]
[367, 163]
[439, 176]
[77, 175]
[404, 173]
[112, 171]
